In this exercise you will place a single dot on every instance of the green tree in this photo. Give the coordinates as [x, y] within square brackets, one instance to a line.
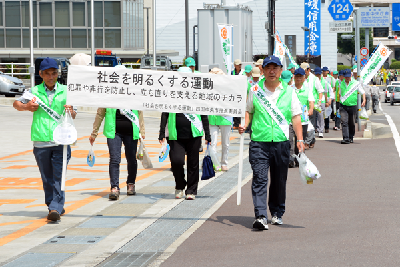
[348, 46]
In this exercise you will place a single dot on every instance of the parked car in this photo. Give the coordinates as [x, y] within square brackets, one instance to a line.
[62, 69]
[10, 86]
[395, 95]
[388, 91]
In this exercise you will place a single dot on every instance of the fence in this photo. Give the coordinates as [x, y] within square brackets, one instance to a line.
[15, 69]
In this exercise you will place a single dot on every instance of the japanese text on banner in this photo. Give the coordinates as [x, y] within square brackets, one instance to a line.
[375, 62]
[163, 91]
[312, 20]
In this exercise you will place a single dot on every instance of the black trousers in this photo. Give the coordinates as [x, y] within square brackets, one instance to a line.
[273, 156]
[313, 118]
[337, 118]
[375, 102]
[178, 149]
[236, 121]
[348, 117]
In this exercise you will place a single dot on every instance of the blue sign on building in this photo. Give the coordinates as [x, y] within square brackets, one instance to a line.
[340, 9]
[395, 17]
[312, 20]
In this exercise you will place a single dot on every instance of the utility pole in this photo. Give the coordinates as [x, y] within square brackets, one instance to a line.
[357, 52]
[187, 27]
[271, 30]
[148, 31]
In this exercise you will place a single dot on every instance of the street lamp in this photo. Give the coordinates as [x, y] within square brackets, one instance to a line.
[306, 29]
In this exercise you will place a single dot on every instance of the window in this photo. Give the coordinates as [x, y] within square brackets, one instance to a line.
[112, 14]
[1, 14]
[98, 14]
[12, 14]
[397, 53]
[26, 38]
[13, 38]
[25, 14]
[78, 14]
[45, 14]
[381, 32]
[98, 38]
[2, 38]
[62, 14]
[112, 38]
[63, 39]
[79, 39]
[46, 38]
[397, 89]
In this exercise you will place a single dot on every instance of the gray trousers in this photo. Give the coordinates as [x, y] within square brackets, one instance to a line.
[375, 102]
[368, 101]
[321, 120]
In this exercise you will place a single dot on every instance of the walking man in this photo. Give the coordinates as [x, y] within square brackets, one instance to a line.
[51, 98]
[271, 106]
[375, 96]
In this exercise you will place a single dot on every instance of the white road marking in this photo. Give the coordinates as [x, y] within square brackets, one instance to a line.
[393, 128]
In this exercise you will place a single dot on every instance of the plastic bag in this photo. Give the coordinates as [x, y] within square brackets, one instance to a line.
[214, 158]
[65, 132]
[146, 162]
[318, 108]
[163, 152]
[139, 154]
[310, 127]
[308, 171]
[364, 114]
[208, 169]
[91, 158]
[328, 111]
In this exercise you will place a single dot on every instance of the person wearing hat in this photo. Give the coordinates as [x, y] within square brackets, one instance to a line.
[287, 77]
[190, 63]
[247, 71]
[335, 75]
[325, 102]
[291, 68]
[255, 78]
[375, 96]
[306, 98]
[48, 154]
[348, 99]
[271, 106]
[318, 92]
[327, 82]
[337, 99]
[238, 67]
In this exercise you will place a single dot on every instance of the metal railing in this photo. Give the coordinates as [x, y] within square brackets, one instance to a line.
[13, 70]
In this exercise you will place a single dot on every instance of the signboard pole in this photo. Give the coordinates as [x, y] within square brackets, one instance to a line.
[367, 40]
[358, 68]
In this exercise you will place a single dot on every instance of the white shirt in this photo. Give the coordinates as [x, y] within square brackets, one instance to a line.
[310, 92]
[273, 97]
[311, 78]
[328, 88]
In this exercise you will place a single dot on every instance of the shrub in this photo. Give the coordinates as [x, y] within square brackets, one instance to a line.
[342, 67]
[395, 65]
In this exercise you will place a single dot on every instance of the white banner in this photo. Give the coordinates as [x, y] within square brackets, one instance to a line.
[163, 91]
[225, 35]
[375, 62]
[279, 50]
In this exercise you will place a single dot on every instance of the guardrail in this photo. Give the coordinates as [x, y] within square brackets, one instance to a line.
[13, 67]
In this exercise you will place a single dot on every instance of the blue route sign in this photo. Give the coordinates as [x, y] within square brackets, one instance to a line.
[395, 17]
[363, 62]
[340, 9]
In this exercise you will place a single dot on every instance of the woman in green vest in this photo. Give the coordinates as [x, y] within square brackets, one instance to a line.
[183, 132]
[120, 126]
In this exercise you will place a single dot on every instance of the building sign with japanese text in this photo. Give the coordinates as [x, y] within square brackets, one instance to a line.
[340, 26]
[163, 91]
[312, 20]
[369, 17]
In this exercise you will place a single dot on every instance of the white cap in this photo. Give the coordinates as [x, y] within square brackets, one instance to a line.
[255, 72]
[237, 62]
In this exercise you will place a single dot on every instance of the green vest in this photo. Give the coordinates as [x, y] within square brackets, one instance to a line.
[264, 128]
[315, 91]
[43, 125]
[323, 83]
[173, 134]
[302, 95]
[352, 99]
[110, 124]
[218, 120]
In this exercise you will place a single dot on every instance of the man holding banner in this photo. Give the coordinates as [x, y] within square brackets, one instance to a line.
[47, 102]
[271, 106]
[349, 89]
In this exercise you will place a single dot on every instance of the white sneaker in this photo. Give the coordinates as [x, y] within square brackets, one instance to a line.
[277, 221]
[321, 135]
[190, 197]
[178, 194]
[260, 223]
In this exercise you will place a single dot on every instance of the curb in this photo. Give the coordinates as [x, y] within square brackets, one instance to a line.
[368, 130]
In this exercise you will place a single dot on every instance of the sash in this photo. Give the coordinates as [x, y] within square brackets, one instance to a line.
[304, 108]
[349, 93]
[230, 119]
[131, 116]
[54, 115]
[272, 110]
[195, 121]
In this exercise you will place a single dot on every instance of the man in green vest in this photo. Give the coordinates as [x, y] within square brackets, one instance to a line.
[337, 99]
[48, 154]
[238, 67]
[271, 106]
[348, 99]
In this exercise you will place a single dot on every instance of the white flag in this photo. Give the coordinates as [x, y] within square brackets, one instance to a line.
[225, 35]
[375, 62]
[279, 50]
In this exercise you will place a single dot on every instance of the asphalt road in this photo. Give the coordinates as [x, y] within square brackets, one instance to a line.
[349, 217]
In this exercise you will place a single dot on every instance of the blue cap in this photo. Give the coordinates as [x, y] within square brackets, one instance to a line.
[299, 71]
[271, 60]
[317, 71]
[341, 73]
[325, 69]
[347, 73]
[48, 63]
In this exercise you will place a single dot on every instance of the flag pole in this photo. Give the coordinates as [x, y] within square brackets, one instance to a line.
[239, 186]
